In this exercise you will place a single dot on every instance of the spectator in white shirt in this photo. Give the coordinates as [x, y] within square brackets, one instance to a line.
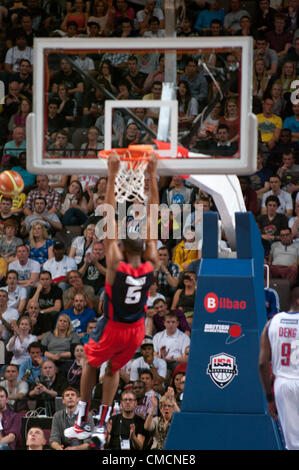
[28, 270]
[8, 317]
[17, 295]
[148, 360]
[60, 265]
[170, 344]
[15, 54]
[19, 342]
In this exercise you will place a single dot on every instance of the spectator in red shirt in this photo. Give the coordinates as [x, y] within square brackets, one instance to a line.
[250, 196]
[279, 39]
[10, 423]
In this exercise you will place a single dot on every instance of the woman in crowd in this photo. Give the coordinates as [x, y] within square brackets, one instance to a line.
[186, 251]
[19, 119]
[19, 342]
[58, 344]
[67, 106]
[130, 137]
[99, 189]
[287, 76]
[75, 371]
[176, 384]
[276, 93]
[92, 141]
[260, 79]
[188, 106]
[107, 73]
[231, 118]
[41, 246]
[82, 244]
[74, 206]
[184, 298]
[158, 426]
[78, 15]
[101, 15]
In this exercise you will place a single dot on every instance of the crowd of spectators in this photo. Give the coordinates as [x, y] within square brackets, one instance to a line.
[52, 264]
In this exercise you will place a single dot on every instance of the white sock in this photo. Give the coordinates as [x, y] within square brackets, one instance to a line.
[82, 406]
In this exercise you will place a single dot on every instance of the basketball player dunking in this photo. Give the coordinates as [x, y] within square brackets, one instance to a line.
[121, 330]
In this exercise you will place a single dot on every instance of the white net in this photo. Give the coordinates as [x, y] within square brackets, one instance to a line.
[129, 182]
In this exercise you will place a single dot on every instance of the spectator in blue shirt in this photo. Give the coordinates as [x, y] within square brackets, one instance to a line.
[292, 123]
[197, 82]
[79, 314]
[203, 21]
[272, 302]
[31, 367]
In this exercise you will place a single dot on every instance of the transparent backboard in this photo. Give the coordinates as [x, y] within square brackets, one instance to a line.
[189, 97]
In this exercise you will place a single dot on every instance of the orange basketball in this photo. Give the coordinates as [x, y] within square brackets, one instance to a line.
[11, 183]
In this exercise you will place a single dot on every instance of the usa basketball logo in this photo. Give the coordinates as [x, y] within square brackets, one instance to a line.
[222, 369]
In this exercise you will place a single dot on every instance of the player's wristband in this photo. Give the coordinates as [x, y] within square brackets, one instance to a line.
[269, 397]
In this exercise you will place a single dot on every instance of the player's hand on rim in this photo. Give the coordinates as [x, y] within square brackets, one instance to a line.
[152, 163]
[113, 162]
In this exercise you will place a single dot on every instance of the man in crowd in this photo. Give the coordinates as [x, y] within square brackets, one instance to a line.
[144, 402]
[41, 214]
[157, 365]
[76, 286]
[60, 265]
[125, 430]
[16, 388]
[285, 199]
[36, 439]
[168, 274]
[28, 269]
[284, 257]
[170, 344]
[93, 268]
[52, 197]
[269, 124]
[31, 367]
[11, 423]
[160, 310]
[47, 386]
[48, 295]
[65, 418]
[80, 314]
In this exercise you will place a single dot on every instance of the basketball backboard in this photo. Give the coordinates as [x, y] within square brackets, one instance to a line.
[223, 70]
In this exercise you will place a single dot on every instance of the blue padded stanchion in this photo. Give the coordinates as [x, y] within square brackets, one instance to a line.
[224, 406]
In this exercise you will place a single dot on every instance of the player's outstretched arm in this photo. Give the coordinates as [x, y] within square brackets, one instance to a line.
[150, 253]
[113, 253]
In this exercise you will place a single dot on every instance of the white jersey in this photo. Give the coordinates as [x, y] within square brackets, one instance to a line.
[283, 334]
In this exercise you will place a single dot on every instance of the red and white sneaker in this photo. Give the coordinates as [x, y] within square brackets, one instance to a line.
[98, 438]
[78, 432]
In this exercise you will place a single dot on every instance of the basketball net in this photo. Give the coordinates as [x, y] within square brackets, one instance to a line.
[129, 182]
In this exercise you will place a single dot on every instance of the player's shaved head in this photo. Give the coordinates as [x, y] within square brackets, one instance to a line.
[133, 246]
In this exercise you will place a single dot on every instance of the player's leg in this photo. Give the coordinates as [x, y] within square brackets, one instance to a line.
[128, 340]
[286, 393]
[81, 429]
[87, 382]
[97, 351]
[109, 389]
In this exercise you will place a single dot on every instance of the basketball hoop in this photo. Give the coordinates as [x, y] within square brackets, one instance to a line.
[129, 182]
